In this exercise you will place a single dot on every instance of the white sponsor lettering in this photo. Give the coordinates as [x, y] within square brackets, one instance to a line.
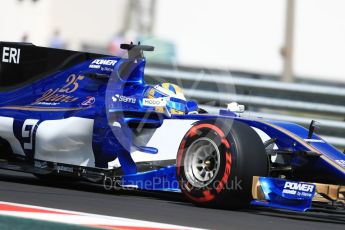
[104, 62]
[299, 187]
[341, 163]
[47, 103]
[314, 140]
[122, 98]
[154, 102]
[96, 64]
[288, 191]
[10, 55]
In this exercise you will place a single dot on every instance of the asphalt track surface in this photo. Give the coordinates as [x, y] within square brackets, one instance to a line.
[166, 208]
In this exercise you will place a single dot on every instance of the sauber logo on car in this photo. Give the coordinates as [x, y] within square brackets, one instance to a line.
[10, 55]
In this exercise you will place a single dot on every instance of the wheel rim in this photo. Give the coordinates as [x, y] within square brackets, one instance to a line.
[202, 162]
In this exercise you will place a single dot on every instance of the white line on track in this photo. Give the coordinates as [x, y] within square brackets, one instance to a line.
[80, 218]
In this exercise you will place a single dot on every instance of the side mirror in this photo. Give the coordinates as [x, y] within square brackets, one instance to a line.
[312, 127]
[235, 107]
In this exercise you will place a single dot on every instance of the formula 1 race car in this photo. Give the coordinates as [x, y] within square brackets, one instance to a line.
[67, 114]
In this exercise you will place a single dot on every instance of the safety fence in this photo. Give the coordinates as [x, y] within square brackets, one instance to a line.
[263, 97]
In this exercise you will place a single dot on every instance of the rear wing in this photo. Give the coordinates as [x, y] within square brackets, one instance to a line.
[24, 62]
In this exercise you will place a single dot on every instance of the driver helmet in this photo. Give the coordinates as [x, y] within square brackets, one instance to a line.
[177, 101]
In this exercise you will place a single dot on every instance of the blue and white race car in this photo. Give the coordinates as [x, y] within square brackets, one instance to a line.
[67, 114]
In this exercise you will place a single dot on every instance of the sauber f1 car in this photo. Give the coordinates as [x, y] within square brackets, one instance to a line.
[67, 114]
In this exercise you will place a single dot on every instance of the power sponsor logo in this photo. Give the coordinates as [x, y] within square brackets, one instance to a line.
[96, 64]
[154, 102]
[10, 55]
[299, 189]
[121, 98]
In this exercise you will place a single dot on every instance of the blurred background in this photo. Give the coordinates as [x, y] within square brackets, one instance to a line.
[284, 59]
[231, 34]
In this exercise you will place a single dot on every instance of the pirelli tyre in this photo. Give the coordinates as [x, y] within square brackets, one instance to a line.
[216, 162]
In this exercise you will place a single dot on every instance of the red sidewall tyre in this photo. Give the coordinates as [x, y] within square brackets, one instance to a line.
[241, 156]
